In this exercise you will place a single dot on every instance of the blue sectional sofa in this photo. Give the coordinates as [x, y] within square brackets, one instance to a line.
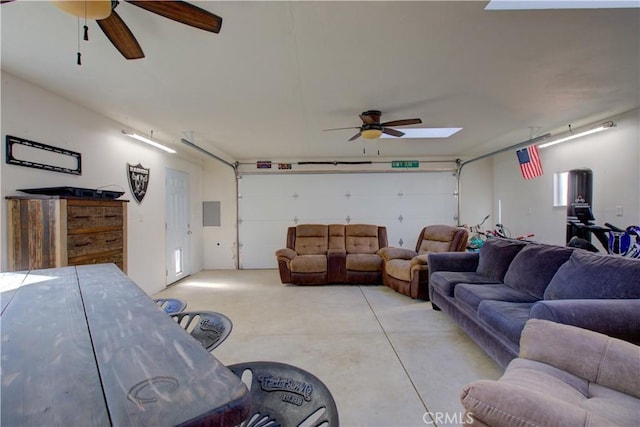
[492, 293]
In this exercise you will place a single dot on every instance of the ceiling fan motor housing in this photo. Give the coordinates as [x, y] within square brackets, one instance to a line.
[373, 114]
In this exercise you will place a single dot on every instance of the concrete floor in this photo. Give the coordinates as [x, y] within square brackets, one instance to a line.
[387, 359]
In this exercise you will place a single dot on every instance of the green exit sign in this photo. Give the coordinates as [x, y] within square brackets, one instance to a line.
[405, 164]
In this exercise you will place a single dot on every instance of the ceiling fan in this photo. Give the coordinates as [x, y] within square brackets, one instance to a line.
[372, 128]
[104, 12]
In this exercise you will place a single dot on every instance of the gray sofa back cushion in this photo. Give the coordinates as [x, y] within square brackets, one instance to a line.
[592, 276]
[534, 266]
[495, 257]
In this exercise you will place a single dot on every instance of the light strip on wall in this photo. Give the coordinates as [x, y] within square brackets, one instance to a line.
[600, 128]
[148, 141]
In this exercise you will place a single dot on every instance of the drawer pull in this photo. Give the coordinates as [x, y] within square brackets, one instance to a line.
[79, 245]
[111, 240]
[81, 216]
[111, 216]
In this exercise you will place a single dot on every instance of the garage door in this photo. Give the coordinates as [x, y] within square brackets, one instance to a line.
[403, 202]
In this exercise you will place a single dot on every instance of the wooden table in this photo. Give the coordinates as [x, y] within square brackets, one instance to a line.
[85, 346]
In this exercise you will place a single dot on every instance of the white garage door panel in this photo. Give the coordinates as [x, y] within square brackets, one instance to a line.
[403, 202]
[260, 253]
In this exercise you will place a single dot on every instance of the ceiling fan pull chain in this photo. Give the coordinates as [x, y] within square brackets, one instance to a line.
[86, 28]
[78, 60]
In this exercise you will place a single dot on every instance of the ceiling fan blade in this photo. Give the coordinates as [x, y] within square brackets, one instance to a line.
[367, 119]
[392, 132]
[350, 127]
[183, 12]
[6, 1]
[120, 36]
[404, 122]
[356, 136]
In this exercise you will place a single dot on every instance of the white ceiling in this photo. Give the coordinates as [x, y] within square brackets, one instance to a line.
[281, 72]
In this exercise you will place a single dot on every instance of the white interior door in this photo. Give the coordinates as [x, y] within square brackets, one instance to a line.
[178, 228]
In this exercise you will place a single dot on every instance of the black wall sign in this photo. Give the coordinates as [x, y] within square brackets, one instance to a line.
[13, 141]
[138, 180]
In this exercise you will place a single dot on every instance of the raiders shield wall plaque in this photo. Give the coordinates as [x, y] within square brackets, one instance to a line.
[138, 180]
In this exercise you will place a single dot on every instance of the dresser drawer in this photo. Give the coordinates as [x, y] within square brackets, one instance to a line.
[92, 243]
[88, 217]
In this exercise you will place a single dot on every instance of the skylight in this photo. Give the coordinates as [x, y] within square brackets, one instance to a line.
[425, 133]
[560, 4]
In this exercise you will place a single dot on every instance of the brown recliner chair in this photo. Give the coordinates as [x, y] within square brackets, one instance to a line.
[304, 260]
[406, 271]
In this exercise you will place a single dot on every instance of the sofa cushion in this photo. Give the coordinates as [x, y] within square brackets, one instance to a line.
[311, 239]
[399, 269]
[437, 238]
[495, 257]
[309, 264]
[473, 294]
[364, 262]
[593, 276]
[446, 281]
[336, 237]
[506, 318]
[361, 239]
[433, 246]
[534, 266]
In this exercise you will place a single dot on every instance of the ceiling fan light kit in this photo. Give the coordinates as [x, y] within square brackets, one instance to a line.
[372, 132]
[94, 9]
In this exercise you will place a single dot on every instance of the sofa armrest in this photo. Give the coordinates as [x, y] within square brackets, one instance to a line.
[453, 261]
[618, 318]
[502, 404]
[420, 260]
[595, 357]
[396, 253]
[286, 253]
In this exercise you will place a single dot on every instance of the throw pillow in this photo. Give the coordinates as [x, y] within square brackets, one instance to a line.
[534, 266]
[495, 257]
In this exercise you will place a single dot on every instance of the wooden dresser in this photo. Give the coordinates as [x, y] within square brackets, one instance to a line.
[47, 232]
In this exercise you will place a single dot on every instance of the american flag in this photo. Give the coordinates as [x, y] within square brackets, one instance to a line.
[529, 162]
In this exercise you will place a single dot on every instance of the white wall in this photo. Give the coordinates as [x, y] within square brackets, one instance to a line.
[476, 194]
[32, 113]
[612, 155]
[219, 185]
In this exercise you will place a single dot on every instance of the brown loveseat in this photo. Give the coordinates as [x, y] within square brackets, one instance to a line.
[406, 271]
[318, 254]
